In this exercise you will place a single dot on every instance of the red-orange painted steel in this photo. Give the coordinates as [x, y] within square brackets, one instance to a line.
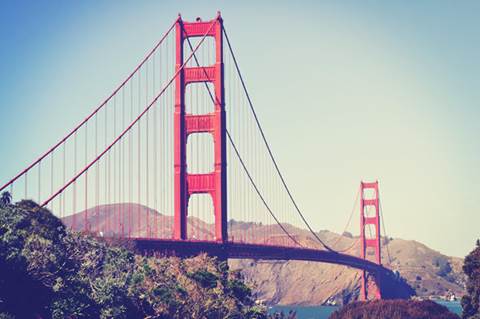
[372, 241]
[229, 249]
[214, 183]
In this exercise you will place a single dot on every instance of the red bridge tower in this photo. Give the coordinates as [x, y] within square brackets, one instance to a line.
[370, 238]
[213, 183]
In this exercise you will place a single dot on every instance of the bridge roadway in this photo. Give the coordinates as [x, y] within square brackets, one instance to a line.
[235, 250]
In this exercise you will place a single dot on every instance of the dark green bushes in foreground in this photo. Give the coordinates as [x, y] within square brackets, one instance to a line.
[471, 301]
[394, 309]
[48, 272]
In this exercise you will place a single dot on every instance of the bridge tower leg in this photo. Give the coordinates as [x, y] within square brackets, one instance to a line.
[370, 238]
[213, 183]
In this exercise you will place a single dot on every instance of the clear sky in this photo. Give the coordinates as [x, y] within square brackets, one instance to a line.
[346, 90]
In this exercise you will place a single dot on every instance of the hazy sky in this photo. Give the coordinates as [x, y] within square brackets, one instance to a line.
[346, 90]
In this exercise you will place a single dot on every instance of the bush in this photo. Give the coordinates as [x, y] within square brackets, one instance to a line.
[47, 271]
[393, 309]
[471, 301]
[205, 278]
[443, 266]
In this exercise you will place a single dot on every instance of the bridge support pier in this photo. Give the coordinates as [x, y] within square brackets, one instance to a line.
[370, 238]
[370, 286]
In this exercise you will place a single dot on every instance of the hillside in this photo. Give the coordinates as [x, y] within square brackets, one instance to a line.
[292, 282]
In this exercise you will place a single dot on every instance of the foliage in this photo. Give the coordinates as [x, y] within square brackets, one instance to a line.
[47, 271]
[5, 199]
[471, 301]
[444, 267]
[394, 309]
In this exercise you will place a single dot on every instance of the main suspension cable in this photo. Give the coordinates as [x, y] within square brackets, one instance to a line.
[95, 111]
[241, 160]
[258, 191]
[348, 222]
[349, 247]
[384, 231]
[268, 146]
[137, 119]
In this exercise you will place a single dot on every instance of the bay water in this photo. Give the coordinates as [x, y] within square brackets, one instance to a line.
[322, 312]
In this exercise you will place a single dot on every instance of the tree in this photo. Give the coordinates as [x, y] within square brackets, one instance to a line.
[49, 272]
[5, 199]
[471, 301]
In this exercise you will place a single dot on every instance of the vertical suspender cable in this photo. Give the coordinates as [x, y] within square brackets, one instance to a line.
[384, 231]
[26, 185]
[114, 153]
[85, 219]
[123, 167]
[97, 179]
[75, 182]
[39, 181]
[147, 223]
[130, 167]
[155, 194]
[138, 162]
[268, 147]
[105, 217]
[62, 198]
[51, 177]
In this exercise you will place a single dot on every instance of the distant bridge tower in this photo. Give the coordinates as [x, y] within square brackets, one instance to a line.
[213, 183]
[370, 238]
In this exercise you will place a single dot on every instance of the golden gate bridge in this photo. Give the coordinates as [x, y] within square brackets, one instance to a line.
[154, 156]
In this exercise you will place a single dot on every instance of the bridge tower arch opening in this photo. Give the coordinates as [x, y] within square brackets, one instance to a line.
[185, 124]
[370, 238]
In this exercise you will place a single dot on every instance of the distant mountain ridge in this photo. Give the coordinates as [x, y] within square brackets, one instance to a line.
[429, 272]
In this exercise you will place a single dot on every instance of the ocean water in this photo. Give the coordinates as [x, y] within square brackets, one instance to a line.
[453, 306]
[306, 312]
[322, 312]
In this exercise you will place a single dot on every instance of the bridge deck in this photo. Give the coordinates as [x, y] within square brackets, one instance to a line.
[253, 251]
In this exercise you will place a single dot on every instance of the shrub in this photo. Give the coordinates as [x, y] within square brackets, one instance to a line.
[393, 309]
[47, 271]
[205, 278]
[471, 301]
